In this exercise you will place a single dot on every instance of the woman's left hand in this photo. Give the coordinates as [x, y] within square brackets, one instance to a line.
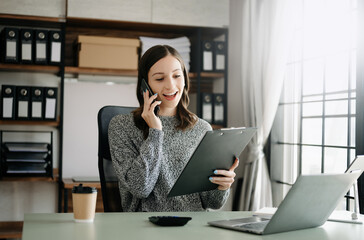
[225, 178]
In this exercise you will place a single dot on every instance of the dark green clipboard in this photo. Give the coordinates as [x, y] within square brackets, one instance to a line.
[217, 150]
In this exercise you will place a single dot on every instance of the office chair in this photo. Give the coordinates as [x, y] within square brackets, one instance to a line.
[109, 183]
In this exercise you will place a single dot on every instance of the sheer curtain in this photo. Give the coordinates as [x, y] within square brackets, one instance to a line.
[262, 44]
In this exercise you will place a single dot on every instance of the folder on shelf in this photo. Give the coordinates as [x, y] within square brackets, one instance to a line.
[10, 44]
[36, 103]
[8, 101]
[22, 102]
[219, 55]
[26, 45]
[207, 103]
[26, 168]
[55, 47]
[50, 103]
[41, 46]
[207, 55]
[30, 147]
[219, 102]
[25, 157]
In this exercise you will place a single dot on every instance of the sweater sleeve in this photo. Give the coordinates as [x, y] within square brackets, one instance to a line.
[214, 199]
[137, 169]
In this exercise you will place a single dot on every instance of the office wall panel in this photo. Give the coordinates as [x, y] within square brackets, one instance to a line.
[123, 10]
[44, 8]
[82, 102]
[207, 13]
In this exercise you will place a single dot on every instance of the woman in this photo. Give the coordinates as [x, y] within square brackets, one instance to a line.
[149, 151]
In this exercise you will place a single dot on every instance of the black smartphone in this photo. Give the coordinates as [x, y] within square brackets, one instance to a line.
[143, 87]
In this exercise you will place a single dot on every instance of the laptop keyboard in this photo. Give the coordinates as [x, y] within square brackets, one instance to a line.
[254, 226]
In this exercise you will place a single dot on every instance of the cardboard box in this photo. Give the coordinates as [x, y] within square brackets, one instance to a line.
[107, 52]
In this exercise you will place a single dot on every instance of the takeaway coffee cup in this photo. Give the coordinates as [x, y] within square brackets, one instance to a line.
[84, 203]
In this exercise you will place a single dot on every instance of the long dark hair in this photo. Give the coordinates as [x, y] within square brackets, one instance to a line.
[186, 118]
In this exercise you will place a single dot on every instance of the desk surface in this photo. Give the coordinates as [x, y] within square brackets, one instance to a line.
[136, 226]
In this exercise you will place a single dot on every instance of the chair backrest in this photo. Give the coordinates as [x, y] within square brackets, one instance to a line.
[109, 183]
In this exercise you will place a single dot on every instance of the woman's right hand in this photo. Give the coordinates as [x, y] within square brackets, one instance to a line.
[148, 111]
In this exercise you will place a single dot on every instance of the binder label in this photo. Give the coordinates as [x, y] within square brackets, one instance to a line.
[219, 113]
[23, 109]
[41, 51]
[7, 107]
[26, 51]
[207, 60]
[50, 111]
[220, 62]
[36, 109]
[207, 112]
[56, 52]
[10, 49]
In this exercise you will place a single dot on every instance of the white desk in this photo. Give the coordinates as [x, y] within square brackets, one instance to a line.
[136, 226]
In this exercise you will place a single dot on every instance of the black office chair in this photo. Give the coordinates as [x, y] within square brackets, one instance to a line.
[109, 183]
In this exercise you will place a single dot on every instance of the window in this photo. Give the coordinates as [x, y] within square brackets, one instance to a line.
[314, 129]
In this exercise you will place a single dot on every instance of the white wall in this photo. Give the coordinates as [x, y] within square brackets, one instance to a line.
[44, 8]
[82, 101]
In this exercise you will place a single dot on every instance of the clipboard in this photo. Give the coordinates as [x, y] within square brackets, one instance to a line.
[217, 150]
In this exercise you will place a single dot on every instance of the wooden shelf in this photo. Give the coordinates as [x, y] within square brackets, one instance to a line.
[207, 75]
[28, 179]
[11, 229]
[32, 18]
[131, 73]
[33, 179]
[101, 71]
[29, 68]
[29, 122]
[128, 26]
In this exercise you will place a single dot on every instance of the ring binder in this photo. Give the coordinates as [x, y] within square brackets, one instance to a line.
[207, 101]
[50, 103]
[10, 45]
[219, 55]
[207, 56]
[8, 101]
[41, 49]
[22, 102]
[55, 47]
[219, 109]
[26, 46]
[36, 105]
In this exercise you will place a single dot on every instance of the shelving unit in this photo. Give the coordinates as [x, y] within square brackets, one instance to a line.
[31, 123]
[58, 73]
[29, 68]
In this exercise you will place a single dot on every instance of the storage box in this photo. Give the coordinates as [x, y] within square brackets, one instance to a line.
[106, 52]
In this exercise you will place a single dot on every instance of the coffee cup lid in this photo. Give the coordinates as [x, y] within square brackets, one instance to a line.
[82, 189]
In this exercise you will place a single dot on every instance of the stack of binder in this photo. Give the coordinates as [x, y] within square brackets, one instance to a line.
[213, 56]
[181, 44]
[28, 103]
[212, 107]
[26, 159]
[31, 46]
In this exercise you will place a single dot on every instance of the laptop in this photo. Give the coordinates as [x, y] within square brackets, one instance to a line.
[308, 204]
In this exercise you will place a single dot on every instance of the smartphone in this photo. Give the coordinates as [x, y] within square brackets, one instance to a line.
[143, 87]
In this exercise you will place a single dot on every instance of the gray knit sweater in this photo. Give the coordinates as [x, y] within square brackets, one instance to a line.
[147, 169]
